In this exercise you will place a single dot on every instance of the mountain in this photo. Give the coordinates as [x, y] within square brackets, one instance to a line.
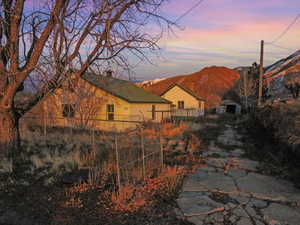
[211, 83]
[282, 72]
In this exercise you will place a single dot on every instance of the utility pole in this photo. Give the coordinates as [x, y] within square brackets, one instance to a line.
[261, 72]
[245, 81]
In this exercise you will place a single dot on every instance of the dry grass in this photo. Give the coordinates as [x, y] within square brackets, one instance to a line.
[140, 200]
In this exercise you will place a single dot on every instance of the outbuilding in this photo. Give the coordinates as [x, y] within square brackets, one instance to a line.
[229, 106]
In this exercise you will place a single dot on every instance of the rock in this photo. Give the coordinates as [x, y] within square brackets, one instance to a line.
[244, 221]
[237, 152]
[208, 169]
[5, 165]
[240, 212]
[235, 173]
[246, 164]
[191, 194]
[258, 203]
[233, 185]
[178, 213]
[209, 181]
[259, 222]
[217, 162]
[233, 219]
[267, 187]
[49, 181]
[23, 183]
[213, 148]
[197, 220]
[210, 220]
[230, 206]
[229, 137]
[219, 217]
[197, 205]
[251, 212]
[215, 154]
[281, 213]
[242, 200]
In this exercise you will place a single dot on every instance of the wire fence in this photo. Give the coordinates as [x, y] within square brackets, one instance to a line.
[129, 155]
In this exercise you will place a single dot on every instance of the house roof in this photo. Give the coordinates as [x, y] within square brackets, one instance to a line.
[123, 89]
[229, 102]
[185, 89]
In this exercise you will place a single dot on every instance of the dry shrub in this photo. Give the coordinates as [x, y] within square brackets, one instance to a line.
[110, 167]
[73, 195]
[88, 158]
[282, 122]
[171, 130]
[132, 198]
[150, 133]
[193, 144]
[74, 202]
[128, 198]
[166, 184]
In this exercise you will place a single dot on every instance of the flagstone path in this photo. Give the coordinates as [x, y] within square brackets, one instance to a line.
[231, 190]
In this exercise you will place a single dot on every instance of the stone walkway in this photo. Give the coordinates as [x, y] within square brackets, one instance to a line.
[231, 191]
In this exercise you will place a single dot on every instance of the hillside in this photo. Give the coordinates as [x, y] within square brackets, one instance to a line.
[211, 83]
[281, 73]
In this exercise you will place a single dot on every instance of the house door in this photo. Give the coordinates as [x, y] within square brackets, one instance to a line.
[231, 109]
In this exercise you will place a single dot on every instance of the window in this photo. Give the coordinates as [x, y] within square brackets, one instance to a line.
[110, 109]
[180, 104]
[68, 110]
[153, 112]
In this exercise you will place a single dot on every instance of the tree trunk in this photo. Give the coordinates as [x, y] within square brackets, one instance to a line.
[9, 132]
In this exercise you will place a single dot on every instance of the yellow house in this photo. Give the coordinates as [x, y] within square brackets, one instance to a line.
[184, 101]
[101, 102]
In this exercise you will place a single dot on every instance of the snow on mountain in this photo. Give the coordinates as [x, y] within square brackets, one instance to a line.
[281, 72]
[148, 83]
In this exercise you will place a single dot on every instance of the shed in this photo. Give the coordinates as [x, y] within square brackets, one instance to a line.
[229, 106]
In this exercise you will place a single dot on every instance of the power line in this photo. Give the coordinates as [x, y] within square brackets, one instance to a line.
[278, 46]
[286, 30]
[189, 10]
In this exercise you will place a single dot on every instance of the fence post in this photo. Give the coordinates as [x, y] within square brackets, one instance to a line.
[161, 150]
[72, 120]
[117, 164]
[45, 121]
[93, 137]
[45, 127]
[143, 153]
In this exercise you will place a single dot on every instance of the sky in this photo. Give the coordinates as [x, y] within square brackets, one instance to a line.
[223, 33]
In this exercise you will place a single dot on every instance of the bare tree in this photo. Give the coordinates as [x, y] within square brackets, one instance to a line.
[247, 87]
[85, 102]
[293, 85]
[65, 37]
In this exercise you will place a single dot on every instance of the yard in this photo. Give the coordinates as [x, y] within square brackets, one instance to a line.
[133, 177]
